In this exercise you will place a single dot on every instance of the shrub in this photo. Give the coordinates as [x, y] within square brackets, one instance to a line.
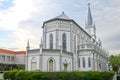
[10, 75]
[30, 75]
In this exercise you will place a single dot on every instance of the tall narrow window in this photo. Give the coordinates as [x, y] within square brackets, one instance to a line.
[64, 41]
[33, 63]
[83, 59]
[3, 57]
[51, 41]
[75, 44]
[79, 62]
[89, 62]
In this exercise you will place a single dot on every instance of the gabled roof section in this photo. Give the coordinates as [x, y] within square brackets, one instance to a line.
[62, 16]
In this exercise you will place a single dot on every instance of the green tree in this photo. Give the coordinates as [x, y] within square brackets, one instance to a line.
[115, 62]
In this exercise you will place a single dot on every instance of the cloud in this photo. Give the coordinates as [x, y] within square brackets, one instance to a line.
[22, 22]
[11, 17]
[107, 19]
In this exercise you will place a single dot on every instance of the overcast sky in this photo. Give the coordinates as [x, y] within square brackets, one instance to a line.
[21, 20]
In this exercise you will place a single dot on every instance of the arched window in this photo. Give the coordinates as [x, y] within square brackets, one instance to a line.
[51, 41]
[33, 64]
[75, 44]
[79, 62]
[51, 65]
[83, 59]
[89, 62]
[64, 41]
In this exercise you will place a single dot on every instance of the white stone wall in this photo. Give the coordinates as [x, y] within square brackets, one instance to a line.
[85, 54]
[46, 56]
[57, 28]
[69, 63]
[46, 59]
[56, 57]
[29, 61]
[33, 54]
[20, 58]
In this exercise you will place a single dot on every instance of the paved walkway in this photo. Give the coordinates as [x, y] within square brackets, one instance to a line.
[1, 75]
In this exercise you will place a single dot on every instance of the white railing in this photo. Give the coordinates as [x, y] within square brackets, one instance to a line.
[92, 47]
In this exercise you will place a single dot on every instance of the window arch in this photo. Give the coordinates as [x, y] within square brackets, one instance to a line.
[64, 41]
[33, 63]
[51, 41]
[89, 62]
[83, 59]
[51, 65]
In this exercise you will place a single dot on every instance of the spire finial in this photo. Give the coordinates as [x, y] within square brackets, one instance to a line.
[88, 4]
[28, 45]
[41, 42]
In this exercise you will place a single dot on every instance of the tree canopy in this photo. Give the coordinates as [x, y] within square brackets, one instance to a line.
[115, 62]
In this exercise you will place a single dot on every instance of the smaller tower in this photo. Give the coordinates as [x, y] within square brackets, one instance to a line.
[90, 26]
[27, 49]
[41, 46]
[40, 55]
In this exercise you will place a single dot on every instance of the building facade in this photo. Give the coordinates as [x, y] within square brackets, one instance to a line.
[10, 60]
[66, 46]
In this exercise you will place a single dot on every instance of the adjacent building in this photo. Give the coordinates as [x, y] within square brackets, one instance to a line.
[66, 46]
[10, 60]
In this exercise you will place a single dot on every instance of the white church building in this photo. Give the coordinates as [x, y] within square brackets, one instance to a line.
[66, 46]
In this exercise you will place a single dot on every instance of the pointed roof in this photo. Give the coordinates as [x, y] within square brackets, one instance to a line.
[89, 18]
[62, 16]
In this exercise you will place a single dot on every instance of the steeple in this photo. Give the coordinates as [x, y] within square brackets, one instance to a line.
[89, 25]
[89, 17]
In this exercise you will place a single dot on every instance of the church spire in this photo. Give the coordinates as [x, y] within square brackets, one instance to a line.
[89, 17]
[90, 26]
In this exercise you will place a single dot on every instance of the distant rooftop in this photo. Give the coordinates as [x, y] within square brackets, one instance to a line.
[12, 52]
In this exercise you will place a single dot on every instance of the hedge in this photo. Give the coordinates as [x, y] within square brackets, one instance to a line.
[32, 75]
